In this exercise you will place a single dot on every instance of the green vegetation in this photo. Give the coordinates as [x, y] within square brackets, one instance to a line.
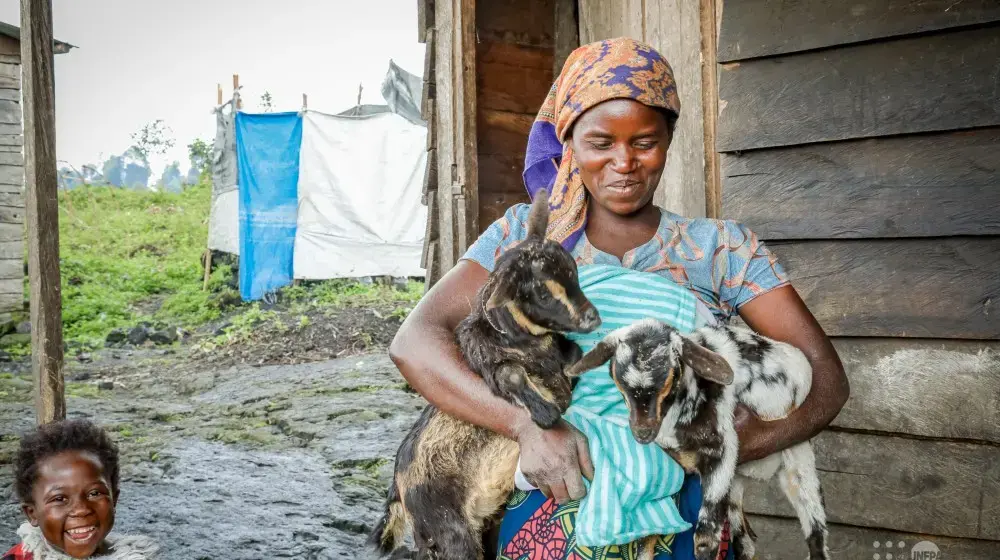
[129, 256]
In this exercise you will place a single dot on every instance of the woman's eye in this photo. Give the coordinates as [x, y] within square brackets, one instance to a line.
[600, 145]
[645, 145]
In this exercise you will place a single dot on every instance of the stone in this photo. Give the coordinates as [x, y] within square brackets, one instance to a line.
[84, 358]
[16, 339]
[116, 336]
[106, 385]
[5, 357]
[24, 328]
[81, 376]
[164, 336]
[138, 335]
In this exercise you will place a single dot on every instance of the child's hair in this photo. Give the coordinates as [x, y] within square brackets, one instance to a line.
[57, 437]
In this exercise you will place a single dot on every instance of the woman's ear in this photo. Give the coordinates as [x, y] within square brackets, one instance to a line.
[29, 512]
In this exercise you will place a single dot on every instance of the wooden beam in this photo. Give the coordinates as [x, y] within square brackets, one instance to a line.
[567, 32]
[42, 209]
[711, 13]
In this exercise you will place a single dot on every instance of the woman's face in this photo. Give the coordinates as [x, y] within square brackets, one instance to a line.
[621, 149]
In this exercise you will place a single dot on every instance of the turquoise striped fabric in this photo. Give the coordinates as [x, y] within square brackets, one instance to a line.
[631, 495]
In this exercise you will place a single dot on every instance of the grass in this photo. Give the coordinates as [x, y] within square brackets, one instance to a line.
[122, 248]
[130, 256]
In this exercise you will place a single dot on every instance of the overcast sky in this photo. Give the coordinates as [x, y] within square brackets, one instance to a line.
[142, 60]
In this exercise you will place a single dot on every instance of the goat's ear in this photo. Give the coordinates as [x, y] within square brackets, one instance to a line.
[598, 355]
[538, 217]
[499, 297]
[705, 363]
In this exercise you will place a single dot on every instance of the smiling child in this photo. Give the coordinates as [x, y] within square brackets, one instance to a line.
[67, 481]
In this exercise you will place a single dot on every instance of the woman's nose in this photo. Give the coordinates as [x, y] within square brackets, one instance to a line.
[623, 161]
[80, 508]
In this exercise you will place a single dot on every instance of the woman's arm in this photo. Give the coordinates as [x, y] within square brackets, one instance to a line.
[426, 353]
[782, 315]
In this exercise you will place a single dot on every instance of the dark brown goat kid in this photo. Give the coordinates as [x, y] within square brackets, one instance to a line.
[451, 477]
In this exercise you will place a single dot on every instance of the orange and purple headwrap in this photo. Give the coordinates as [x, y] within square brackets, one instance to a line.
[612, 69]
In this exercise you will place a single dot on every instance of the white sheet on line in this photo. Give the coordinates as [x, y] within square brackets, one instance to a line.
[360, 181]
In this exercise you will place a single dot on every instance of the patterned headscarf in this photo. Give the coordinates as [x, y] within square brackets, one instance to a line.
[612, 69]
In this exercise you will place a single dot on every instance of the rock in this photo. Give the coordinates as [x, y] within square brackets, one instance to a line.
[24, 328]
[164, 336]
[138, 335]
[106, 385]
[84, 358]
[5, 357]
[82, 376]
[400, 283]
[116, 336]
[15, 339]
[7, 324]
[222, 330]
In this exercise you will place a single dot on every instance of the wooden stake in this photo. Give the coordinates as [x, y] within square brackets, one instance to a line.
[710, 104]
[218, 101]
[360, 88]
[41, 187]
[305, 102]
[208, 268]
[236, 91]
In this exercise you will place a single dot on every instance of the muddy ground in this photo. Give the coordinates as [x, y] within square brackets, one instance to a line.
[228, 457]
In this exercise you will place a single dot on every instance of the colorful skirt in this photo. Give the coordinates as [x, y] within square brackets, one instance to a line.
[536, 528]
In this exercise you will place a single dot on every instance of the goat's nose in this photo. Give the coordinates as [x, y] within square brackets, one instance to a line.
[591, 319]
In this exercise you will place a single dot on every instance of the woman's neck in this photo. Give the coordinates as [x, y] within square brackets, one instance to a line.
[616, 234]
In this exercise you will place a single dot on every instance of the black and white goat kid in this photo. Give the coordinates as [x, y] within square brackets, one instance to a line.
[452, 477]
[682, 390]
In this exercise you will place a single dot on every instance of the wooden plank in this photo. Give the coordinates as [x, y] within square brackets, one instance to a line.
[781, 539]
[10, 58]
[921, 84]
[430, 174]
[12, 158]
[501, 174]
[11, 301]
[674, 29]
[566, 36]
[914, 386]
[12, 269]
[422, 20]
[600, 19]
[12, 139]
[11, 214]
[935, 288]
[512, 77]
[12, 232]
[445, 117]
[10, 83]
[10, 112]
[10, 129]
[503, 132]
[710, 22]
[904, 186]
[932, 487]
[10, 95]
[11, 249]
[493, 205]
[466, 192]
[517, 22]
[42, 208]
[12, 174]
[753, 28]
[10, 70]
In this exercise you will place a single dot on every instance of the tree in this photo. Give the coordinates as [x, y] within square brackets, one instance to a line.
[200, 154]
[152, 139]
[266, 102]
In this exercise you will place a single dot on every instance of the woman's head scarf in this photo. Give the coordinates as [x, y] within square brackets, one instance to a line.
[613, 69]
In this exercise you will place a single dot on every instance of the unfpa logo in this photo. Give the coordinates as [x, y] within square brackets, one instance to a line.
[923, 550]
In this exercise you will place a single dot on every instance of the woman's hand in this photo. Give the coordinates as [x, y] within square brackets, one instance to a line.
[753, 433]
[555, 460]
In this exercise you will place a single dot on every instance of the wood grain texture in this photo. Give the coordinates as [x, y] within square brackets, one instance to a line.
[566, 35]
[10, 95]
[12, 158]
[934, 288]
[445, 125]
[517, 22]
[12, 174]
[905, 186]
[781, 539]
[493, 205]
[600, 19]
[11, 300]
[12, 232]
[915, 387]
[11, 214]
[929, 83]
[753, 28]
[673, 28]
[710, 22]
[501, 174]
[512, 78]
[42, 208]
[12, 269]
[12, 249]
[12, 139]
[932, 487]
[10, 112]
[503, 132]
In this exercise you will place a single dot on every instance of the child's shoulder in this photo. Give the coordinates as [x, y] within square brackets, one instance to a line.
[17, 553]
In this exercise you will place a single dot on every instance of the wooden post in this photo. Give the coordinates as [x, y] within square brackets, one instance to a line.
[218, 96]
[360, 89]
[41, 186]
[236, 91]
[208, 268]
[305, 102]
[710, 104]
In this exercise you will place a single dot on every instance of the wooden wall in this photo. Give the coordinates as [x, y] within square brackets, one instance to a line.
[861, 140]
[11, 186]
[674, 29]
[514, 70]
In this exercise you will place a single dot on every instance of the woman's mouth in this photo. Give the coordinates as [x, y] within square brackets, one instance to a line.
[623, 189]
[81, 535]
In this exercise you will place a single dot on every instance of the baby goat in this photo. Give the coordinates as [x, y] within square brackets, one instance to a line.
[451, 477]
[681, 392]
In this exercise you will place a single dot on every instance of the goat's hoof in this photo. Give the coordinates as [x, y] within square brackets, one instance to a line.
[706, 545]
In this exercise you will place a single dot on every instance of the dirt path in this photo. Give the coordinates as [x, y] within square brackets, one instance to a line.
[286, 461]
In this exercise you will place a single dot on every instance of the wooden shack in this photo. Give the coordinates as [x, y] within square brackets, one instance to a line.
[12, 169]
[861, 141]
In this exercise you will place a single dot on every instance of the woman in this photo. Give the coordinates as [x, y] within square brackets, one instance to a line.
[600, 145]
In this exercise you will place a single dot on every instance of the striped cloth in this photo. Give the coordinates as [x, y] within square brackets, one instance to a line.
[631, 494]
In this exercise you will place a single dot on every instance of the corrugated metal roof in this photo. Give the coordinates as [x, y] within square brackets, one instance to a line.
[14, 32]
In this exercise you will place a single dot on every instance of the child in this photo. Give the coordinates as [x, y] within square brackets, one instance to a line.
[67, 481]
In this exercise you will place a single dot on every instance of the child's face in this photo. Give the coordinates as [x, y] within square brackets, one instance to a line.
[72, 503]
